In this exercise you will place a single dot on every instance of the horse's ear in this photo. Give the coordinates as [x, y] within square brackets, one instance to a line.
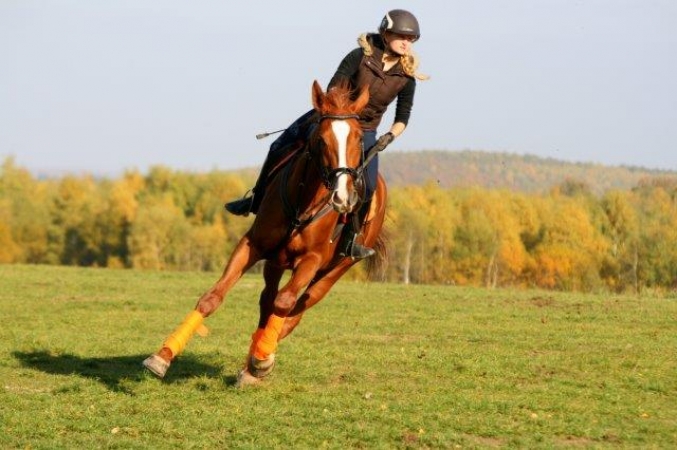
[318, 96]
[362, 99]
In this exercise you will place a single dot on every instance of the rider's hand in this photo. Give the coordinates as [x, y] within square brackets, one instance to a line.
[384, 141]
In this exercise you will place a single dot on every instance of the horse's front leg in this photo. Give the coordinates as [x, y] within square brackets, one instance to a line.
[243, 257]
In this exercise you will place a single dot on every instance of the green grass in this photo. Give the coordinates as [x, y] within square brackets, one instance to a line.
[372, 366]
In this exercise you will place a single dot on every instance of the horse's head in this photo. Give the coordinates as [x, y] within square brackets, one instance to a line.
[338, 138]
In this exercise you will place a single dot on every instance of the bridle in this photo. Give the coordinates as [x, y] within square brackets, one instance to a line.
[329, 175]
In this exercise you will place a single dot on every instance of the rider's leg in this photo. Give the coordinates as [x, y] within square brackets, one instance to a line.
[279, 149]
[350, 247]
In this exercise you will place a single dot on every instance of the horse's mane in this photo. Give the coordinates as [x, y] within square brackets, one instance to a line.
[339, 98]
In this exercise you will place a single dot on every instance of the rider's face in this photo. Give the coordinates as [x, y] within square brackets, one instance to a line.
[400, 43]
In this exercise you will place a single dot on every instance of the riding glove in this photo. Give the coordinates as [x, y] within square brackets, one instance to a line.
[384, 141]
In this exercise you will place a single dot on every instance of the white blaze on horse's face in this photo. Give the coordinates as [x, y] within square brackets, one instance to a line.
[343, 200]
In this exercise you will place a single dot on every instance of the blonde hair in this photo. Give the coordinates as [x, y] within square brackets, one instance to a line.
[409, 62]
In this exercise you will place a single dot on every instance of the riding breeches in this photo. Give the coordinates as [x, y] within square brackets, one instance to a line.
[298, 130]
[371, 171]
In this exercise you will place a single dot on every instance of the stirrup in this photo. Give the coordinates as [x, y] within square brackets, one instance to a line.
[240, 207]
[358, 252]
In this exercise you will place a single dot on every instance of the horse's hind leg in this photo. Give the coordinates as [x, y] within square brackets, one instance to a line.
[255, 369]
[265, 341]
[276, 321]
[243, 257]
[315, 292]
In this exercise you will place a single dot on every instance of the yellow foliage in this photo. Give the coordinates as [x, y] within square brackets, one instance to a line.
[123, 200]
[9, 250]
[564, 239]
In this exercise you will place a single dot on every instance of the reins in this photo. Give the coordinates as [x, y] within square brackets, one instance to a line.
[371, 153]
[327, 176]
[295, 216]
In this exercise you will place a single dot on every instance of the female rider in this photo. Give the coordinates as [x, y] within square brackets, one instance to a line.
[385, 62]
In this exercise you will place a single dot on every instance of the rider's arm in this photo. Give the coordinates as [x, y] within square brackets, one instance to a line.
[347, 68]
[405, 101]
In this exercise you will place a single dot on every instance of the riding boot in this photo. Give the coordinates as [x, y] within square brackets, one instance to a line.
[358, 251]
[245, 205]
[242, 206]
[349, 246]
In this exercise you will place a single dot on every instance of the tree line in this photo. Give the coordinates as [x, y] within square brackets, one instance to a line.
[568, 238]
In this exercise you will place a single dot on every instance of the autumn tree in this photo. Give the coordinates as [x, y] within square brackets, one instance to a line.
[121, 200]
[623, 231]
[488, 248]
[657, 206]
[26, 220]
[77, 202]
[570, 253]
[10, 251]
[158, 235]
[411, 216]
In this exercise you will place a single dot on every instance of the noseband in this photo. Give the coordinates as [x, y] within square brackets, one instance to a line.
[329, 175]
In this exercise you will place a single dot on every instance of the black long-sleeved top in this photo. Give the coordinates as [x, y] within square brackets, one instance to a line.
[358, 69]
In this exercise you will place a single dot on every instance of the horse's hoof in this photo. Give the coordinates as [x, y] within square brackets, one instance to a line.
[244, 379]
[157, 365]
[261, 368]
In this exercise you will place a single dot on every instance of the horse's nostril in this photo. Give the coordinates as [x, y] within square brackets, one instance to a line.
[354, 198]
[336, 200]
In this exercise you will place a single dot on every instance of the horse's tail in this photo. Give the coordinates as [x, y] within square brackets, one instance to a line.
[377, 264]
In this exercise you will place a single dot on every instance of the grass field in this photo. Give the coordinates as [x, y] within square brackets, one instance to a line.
[372, 366]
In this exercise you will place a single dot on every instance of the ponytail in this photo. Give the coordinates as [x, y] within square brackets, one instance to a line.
[410, 64]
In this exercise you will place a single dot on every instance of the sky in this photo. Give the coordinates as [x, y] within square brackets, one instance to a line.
[103, 87]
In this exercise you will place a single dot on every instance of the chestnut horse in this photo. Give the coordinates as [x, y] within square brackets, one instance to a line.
[296, 228]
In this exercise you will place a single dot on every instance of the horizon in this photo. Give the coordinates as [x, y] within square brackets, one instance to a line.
[55, 174]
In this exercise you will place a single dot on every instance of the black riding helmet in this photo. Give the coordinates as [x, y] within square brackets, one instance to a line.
[401, 22]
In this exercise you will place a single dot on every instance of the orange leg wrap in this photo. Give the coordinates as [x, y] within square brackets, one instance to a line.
[177, 341]
[267, 341]
[255, 339]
